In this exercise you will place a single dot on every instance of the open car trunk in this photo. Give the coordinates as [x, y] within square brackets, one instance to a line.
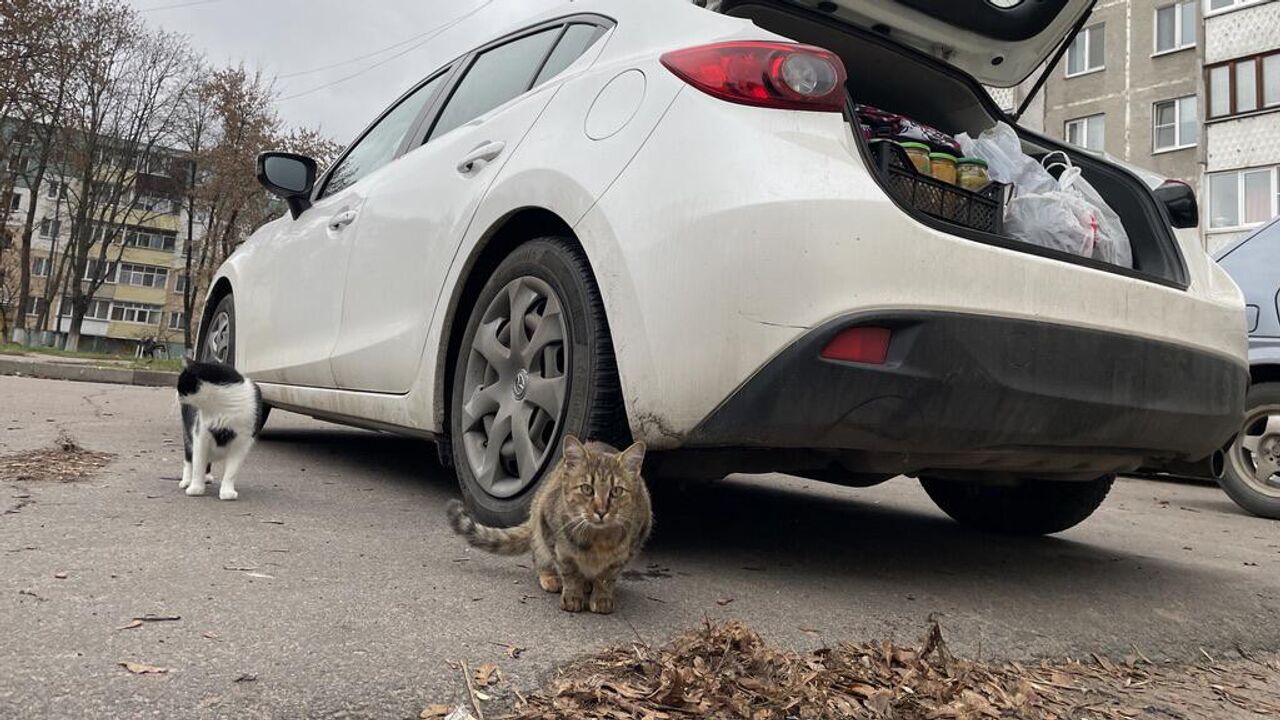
[934, 93]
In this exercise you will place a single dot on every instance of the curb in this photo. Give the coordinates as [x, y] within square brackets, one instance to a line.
[87, 373]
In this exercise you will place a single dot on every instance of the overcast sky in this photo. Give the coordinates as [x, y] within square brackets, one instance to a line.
[394, 42]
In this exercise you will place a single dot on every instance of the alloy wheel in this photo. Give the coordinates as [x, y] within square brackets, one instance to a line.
[1256, 451]
[516, 384]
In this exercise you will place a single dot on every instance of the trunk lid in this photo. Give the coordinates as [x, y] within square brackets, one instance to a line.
[999, 42]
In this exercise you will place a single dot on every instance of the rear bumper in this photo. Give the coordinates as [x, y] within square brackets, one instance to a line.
[979, 392]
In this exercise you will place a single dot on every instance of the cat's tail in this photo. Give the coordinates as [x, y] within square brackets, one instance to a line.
[499, 541]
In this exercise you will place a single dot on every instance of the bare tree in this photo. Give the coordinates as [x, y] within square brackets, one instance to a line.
[34, 72]
[127, 98]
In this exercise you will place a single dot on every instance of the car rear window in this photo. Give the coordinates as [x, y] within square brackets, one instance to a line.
[496, 76]
[575, 41]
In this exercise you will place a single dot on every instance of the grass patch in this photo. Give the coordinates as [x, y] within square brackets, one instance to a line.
[127, 361]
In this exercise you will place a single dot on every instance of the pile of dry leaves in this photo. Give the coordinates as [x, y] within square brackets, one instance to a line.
[725, 670]
[66, 461]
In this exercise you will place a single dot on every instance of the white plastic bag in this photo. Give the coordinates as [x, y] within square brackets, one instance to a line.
[1006, 162]
[1111, 244]
[1055, 219]
[1064, 213]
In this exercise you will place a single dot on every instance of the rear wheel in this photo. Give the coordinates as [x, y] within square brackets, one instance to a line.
[1033, 507]
[536, 362]
[1251, 474]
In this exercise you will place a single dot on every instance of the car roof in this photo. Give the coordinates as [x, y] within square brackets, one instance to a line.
[1265, 229]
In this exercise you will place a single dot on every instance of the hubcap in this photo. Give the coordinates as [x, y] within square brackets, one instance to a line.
[218, 342]
[1256, 451]
[516, 380]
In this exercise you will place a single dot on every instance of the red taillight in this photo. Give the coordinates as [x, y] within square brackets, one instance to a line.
[766, 74]
[859, 344]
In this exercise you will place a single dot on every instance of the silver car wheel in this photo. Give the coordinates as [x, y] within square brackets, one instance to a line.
[516, 385]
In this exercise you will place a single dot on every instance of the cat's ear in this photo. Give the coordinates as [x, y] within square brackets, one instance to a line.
[632, 459]
[573, 451]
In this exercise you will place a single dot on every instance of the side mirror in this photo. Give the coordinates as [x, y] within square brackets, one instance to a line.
[288, 176]
[1180, 201]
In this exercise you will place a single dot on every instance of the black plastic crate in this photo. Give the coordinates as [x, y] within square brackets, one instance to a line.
[980, 210]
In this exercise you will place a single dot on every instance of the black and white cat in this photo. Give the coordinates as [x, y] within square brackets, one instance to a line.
[221, 412]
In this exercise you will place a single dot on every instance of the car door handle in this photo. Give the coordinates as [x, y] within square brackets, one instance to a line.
[481, 156]
[342, 219]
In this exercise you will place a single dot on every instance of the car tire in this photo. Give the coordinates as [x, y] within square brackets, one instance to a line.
[1240, 473]
[218, 343]
[546, 281]
[1034, 507]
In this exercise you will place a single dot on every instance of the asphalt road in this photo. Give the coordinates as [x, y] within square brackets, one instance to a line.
[334, 583]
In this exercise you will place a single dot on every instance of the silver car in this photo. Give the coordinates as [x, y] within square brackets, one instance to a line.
[1251, 473]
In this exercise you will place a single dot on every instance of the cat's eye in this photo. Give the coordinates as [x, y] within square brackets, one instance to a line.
[586, 489]
[617, 491]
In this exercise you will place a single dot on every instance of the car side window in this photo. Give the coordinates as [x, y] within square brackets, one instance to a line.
[496, 76]
[575, 41]
[378, 146]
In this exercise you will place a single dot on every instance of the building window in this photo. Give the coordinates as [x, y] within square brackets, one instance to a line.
[91, 272]
[1176, 27]
[36, 305]
[1244, 85]
[142, 275]
[1220, 6]
[1176, 124]
[1087, 132]
[1088, 51]
[97, 310]
[180, 284]
[177, 320]
[136, 313]
[153, 203]
[15, 202]
[1243, 198]
[49, 228]
[150, 239]
[55, 190]
[40, 267]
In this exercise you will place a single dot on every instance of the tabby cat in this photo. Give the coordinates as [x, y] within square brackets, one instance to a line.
[588, 519]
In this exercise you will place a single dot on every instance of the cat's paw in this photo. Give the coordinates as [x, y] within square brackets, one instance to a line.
[601, 604]
[550, 582]
[194, 489]
[571, 602]
[226, 494]
[184, 482]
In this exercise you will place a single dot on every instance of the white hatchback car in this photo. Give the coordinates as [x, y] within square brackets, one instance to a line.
[658, 220]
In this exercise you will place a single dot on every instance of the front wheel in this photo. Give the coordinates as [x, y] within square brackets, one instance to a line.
[536, 362]
[217, 344]
[1033, 507]
[1251, 474]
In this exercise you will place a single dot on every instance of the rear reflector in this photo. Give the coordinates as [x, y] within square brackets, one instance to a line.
[765, 74]
[859, 344]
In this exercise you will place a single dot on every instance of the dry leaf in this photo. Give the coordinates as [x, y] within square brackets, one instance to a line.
[141, 669]
[210, 634]
[435, 711]
[60, 575]
[724, 601]
[136, 623]
[261, 575]
[485, 674]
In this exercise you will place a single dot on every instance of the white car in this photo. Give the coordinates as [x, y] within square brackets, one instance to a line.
[660, 221]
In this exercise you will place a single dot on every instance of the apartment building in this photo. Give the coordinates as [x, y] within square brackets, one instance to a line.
[1242, 118]
[141, 297]
[1187, 89]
